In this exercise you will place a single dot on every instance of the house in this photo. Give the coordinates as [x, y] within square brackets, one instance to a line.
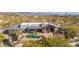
[39, 27]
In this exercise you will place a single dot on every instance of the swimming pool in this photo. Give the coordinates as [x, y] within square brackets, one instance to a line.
[33, 37]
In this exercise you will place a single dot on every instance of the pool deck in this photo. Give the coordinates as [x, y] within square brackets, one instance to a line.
[22, 36]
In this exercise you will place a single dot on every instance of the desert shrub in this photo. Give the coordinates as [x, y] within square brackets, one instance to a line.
[2, 37]
[72, 31]
[56, 41]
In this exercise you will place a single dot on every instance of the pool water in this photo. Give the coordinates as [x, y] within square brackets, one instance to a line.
[32, 36]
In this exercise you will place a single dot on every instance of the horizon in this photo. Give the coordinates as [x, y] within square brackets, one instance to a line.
[43, 13]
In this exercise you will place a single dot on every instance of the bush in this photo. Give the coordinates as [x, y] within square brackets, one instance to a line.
[56, 41]
[2, 37]
[72, 31]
